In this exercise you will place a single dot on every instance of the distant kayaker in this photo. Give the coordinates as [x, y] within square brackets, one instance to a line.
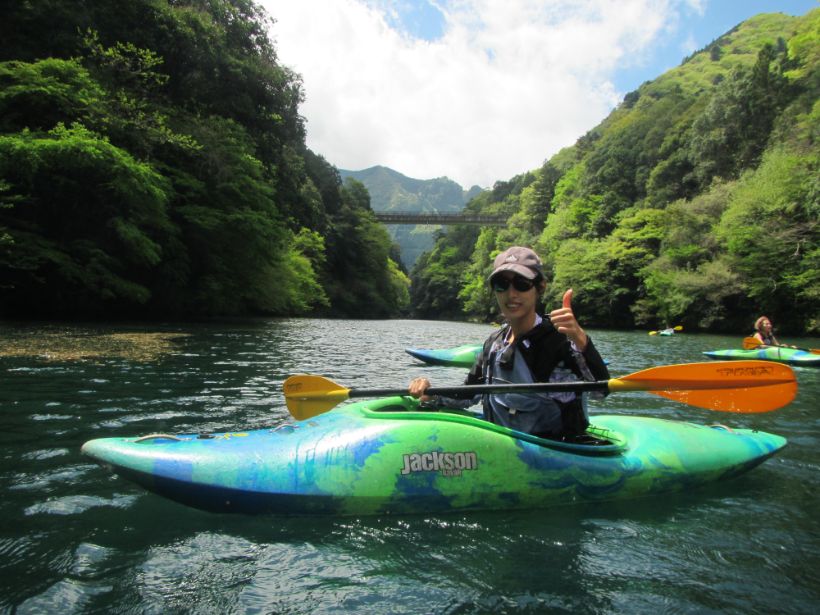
[529, 348]
[764, 332]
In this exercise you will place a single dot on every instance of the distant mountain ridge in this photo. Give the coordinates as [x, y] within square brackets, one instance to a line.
[392, 191]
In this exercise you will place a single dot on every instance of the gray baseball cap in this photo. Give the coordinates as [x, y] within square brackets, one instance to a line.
[520, 260]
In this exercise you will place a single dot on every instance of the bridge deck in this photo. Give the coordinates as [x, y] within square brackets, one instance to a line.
[406, 217]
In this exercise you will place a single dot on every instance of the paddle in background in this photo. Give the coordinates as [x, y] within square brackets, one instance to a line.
[724, 386]
[669, 331]
[750, 343]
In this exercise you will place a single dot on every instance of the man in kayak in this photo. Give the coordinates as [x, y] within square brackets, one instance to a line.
[529, 348]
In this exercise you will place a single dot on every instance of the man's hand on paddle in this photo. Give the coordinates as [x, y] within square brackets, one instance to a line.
[417, 388]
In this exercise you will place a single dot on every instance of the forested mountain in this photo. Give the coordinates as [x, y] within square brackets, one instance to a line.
[695, 202]
[391, 191]
[153, 164]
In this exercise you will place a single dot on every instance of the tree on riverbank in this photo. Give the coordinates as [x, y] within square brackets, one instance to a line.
[153, 164]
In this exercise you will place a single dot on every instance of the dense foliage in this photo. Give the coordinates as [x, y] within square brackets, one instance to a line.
[695, 202]
[153, 164]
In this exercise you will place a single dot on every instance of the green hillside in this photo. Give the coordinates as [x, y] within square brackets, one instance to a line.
[391, 191]
[695, 202]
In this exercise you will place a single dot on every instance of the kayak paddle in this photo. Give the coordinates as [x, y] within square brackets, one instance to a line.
[725, 386]
[750, 343]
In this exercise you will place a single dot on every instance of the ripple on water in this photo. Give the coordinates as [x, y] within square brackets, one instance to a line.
[43, 454]
[43, 481]
[148, 418]
[65, 596]
[16, 549]
[90, 559]
[52, 417]
[77, 504]
[41, 370]
[113, 409]
[204, 572]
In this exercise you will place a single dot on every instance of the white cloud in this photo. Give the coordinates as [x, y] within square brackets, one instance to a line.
[690, 45]
[506, 86]
[698, 6]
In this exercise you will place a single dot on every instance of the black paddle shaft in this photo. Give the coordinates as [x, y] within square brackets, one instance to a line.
[467, 390]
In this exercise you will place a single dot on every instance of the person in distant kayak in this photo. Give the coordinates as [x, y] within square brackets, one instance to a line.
[764, 332]
[529, 348]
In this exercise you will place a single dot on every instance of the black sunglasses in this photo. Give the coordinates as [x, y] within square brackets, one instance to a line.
[522, 285]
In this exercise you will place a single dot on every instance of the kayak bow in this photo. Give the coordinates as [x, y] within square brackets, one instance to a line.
[460, 356]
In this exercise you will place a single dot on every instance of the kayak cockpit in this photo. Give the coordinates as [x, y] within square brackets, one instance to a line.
[596, 441]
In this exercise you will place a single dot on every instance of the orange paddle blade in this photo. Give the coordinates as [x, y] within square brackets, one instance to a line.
[753, 400]
[728, 386]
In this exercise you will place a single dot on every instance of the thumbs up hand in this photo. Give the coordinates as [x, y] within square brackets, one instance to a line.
[564, 321]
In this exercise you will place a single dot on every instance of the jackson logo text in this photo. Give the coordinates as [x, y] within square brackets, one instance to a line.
[449, 464]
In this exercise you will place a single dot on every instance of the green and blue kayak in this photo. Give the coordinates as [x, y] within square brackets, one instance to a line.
[460, 356]
[780, 354]
[388, 456]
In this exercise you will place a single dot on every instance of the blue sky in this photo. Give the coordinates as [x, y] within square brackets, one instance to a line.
[481, 90]
[701, 23]
[698, 30]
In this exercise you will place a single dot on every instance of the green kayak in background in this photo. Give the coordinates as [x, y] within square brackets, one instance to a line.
[388, 456]
[460, 356]
[780, 354]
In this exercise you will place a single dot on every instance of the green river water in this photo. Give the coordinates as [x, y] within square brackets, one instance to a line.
[76, 539]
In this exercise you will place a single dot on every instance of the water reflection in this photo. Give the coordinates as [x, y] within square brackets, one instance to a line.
[77, 344]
